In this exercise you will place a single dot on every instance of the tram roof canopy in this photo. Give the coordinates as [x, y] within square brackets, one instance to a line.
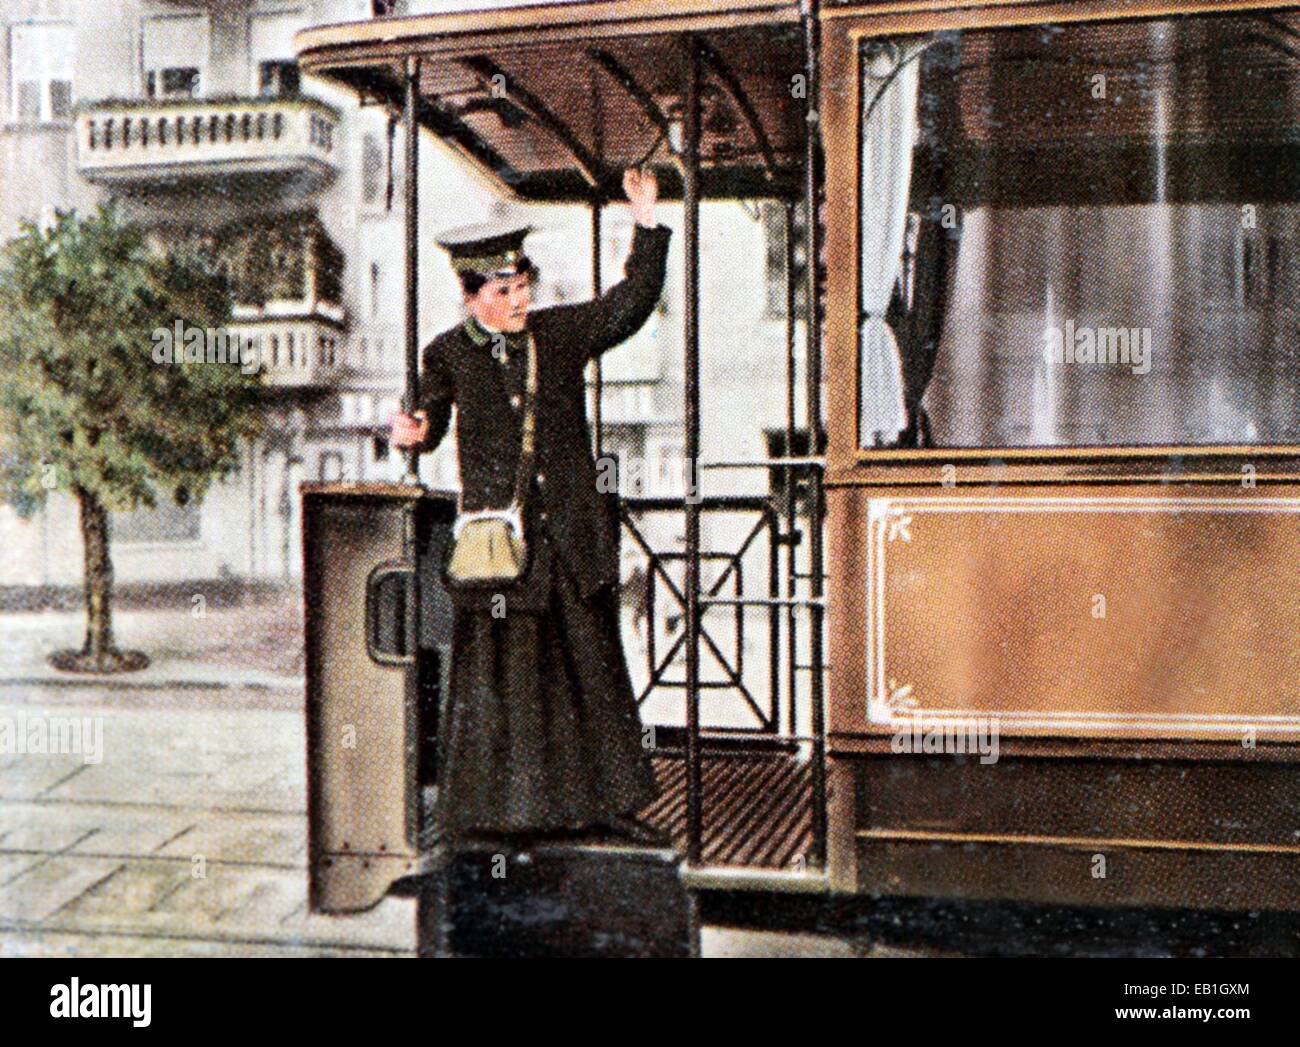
[551, 101]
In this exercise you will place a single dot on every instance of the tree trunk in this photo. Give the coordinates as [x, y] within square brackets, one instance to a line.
[99, 647]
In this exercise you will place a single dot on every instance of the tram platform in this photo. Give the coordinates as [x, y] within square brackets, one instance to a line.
[757, 807]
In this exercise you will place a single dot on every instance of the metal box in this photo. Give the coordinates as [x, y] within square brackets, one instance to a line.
[378, 641]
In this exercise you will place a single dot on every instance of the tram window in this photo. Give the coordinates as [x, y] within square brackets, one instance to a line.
[1088, 236]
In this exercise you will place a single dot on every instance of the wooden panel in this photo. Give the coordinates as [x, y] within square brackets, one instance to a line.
[839, 128]
[1217, 804]
[1063, 874]
[1145, 613]
[561, 119]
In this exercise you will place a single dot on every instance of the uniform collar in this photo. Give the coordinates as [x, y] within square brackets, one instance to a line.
[482, 337]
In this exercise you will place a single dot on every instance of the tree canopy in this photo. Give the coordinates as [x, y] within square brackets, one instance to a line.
[84, 406]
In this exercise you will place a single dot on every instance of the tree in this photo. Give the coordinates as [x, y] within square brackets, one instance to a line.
[85, 408]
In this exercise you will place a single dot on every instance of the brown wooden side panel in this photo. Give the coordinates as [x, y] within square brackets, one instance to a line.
[1142, 612]
[1063, 875]
[361, 716]
[1219, 804]
[846, 612]
[1196, 834]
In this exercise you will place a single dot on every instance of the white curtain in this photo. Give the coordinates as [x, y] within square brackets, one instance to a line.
[41, 51]
[271, 35]
[41, 55]
[176, 42]
[889, 95]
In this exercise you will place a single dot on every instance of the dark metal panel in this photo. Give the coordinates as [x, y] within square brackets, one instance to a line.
[525, 114]
[361, 725]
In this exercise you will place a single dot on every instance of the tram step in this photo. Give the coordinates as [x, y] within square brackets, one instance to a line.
[553, 900]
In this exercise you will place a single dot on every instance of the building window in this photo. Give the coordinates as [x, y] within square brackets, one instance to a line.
[774, 237]
[174, 51]
[331, 466]
[278, 79]
[1061, 299]
[40, 88]
[372, 169]
[374, 288]
[271, 53]
[167, 522]
[182, 82]
[801, 474]
[379, 447]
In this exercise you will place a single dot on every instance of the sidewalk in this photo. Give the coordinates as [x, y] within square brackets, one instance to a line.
[254, 647]
[188, 838]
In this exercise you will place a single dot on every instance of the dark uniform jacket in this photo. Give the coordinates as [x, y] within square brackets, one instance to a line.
[566, 514]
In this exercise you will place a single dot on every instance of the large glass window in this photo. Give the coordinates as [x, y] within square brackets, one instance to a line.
[40, 87]
[174, 50]
[166, 522]
[270, 37]
[1082, 236]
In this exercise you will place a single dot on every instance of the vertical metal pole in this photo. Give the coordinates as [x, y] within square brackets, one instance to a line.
[410, 402]
[411, 138]
[791, 507]
[814, 411]
[772, 516]
[597, 413]
[597, 371]
[691, 325]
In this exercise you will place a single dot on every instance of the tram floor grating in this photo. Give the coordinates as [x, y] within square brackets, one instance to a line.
[757, 808]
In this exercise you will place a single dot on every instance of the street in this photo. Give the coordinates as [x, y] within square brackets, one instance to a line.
[188, 836]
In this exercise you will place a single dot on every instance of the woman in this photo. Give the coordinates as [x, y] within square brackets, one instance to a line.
[540, 732]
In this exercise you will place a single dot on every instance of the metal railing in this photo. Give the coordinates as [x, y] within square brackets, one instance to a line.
[143, 139]
[659, 576]
[770, 694]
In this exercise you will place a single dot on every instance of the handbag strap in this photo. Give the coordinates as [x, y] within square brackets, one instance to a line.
[528, 437]
[529, 432]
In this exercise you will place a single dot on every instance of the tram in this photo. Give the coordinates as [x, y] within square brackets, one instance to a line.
[1034, 587]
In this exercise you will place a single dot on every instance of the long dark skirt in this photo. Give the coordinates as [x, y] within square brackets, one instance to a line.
[540, 731]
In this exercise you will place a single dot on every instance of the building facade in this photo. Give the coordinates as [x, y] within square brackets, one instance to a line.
[193, 117]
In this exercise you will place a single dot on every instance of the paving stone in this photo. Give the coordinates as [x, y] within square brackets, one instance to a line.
[13, 865]
[49, 885]
[719, 942]
[282, 843]
[46, 835]
[234, 903]
[106, 783]
[124, 831]
[29, 942]
[105, 829]
[27, 777]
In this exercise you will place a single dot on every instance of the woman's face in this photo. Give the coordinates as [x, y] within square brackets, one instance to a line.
[502, 305]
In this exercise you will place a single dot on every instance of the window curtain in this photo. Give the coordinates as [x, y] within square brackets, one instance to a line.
[175, 42]
[899, 340]
[890, 81]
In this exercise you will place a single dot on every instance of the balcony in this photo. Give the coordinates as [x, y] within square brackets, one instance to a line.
[285, 276]
[299, 344]
[153, 143]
